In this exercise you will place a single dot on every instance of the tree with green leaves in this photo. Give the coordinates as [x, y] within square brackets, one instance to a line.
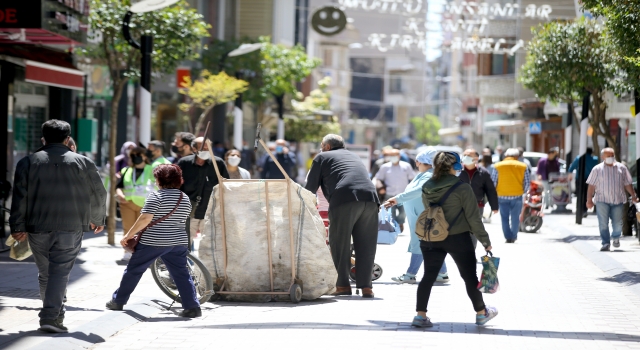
[566, 60]
[272, 72]
[177, 32]
[621, 20]
[426, 129]
[312, 124]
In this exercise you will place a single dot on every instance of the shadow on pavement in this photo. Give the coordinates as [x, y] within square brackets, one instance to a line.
[573, 238]
[15, 340]
[448, 327]
[628, 278]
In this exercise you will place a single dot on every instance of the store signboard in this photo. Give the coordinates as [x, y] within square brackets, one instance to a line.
[37, 20]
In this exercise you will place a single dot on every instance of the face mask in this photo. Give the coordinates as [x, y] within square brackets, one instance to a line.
[466, 160]
[609, 160]
[175, 149]
[458, 172]
[150, 154]
[394, 159]
[233, 160]
[279, 149]
[136, 160]
[204, 155]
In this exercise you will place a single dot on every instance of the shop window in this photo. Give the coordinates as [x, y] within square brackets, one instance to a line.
[395, 84]
[503, 64]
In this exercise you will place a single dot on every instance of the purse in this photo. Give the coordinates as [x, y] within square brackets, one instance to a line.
[132, 242]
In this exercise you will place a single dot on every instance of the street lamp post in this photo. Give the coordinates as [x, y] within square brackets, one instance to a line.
[146, 48]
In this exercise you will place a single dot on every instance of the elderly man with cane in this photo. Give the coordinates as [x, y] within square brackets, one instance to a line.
[353, 211]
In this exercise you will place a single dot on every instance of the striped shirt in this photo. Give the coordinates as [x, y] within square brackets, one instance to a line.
[171, 231]
[609, 182]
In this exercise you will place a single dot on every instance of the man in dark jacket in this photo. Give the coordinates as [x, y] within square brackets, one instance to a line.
[57, 195]
[287, 159]
[480, 181]
[353, 211]
[199, 179]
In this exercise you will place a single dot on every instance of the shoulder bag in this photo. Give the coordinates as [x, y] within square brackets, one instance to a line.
[432, 226]
[132, 242]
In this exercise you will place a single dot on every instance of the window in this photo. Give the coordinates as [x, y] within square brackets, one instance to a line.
[503, 64]
[395, 84]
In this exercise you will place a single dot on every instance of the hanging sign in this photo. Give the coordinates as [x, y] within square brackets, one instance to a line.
[328, 20]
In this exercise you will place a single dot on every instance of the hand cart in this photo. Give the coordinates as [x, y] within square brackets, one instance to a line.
[295, 289]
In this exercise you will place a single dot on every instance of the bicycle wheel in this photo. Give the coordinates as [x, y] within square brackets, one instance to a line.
[199, 274]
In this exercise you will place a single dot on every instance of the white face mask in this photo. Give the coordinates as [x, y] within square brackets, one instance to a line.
[394, 159]
[204, 155]
[609, 160]
[466, 160]
[458, 172]
[233, 160]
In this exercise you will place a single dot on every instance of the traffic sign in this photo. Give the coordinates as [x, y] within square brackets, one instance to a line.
[535, 128]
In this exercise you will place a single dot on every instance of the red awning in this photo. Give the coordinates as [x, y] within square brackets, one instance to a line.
[45, 66]
[47, 74]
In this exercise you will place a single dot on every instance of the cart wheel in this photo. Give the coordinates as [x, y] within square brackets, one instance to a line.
[532, 224]
[296, 293]
[377, 272]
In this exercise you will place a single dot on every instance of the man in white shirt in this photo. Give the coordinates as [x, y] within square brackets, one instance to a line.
[611, 183]
[395, 176]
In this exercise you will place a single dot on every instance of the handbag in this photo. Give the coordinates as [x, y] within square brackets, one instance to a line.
[132, 242]
[388, 229]
[489, 279]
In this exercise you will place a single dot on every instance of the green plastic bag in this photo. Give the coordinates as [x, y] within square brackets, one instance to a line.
[19, 250]
[489, 278]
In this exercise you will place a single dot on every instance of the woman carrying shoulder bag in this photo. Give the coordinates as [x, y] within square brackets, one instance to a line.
[163, 219]
[461, 213]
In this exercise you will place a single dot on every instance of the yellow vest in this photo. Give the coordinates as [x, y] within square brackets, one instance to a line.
[144, 185]
[510, 177]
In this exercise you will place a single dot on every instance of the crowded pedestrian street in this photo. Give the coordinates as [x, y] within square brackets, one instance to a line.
[557, 291]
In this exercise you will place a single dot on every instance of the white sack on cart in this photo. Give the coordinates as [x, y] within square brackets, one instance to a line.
[246, 237]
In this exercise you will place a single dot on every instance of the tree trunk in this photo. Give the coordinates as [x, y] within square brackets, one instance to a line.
[600, 126]
[201, 119]
[118, 87]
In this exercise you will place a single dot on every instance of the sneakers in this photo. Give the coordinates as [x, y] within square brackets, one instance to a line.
[112, 305]
[442, 278]
[52, 326]
[420, 322]
[489, 313]
[616, 242]
[406, 278]
[605, 248]
[191, 313]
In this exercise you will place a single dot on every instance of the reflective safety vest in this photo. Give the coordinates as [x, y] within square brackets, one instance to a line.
[161, 160]
[137, 190]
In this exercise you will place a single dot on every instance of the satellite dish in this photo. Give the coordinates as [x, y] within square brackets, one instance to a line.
[245, 48]
[151, 5]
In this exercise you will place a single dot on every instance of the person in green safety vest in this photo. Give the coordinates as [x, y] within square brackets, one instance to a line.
[155, 151]
[133, 187]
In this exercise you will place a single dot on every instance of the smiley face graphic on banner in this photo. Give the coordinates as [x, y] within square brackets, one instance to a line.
[329, 20]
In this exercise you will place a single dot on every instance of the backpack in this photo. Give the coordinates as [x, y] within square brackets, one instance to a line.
[432, 225]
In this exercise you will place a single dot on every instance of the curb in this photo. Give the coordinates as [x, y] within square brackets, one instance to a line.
[93, 332]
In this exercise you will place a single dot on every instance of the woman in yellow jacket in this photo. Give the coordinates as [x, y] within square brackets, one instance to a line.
[136, 183]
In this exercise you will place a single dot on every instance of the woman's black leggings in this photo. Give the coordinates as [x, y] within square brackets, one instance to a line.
[461, 249]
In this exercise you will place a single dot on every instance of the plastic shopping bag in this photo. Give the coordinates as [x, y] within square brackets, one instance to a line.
[388, 229]
[19, 250]
[489, 278]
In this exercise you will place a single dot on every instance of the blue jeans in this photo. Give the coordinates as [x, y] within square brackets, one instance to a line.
[416, 261]
[510, 209]
[605, 212]
[54, 253]
[175, 259]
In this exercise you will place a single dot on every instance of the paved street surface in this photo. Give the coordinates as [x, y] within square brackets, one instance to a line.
[557, 292]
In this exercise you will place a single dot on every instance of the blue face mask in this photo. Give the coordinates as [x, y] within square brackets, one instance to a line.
[279, 149]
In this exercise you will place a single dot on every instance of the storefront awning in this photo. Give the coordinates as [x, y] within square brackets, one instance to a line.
[45, 66]
[47, 74]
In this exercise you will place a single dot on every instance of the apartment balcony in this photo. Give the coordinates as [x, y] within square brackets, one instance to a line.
[497, 86]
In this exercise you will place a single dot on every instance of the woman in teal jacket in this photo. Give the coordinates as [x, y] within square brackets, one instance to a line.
[411, 198]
